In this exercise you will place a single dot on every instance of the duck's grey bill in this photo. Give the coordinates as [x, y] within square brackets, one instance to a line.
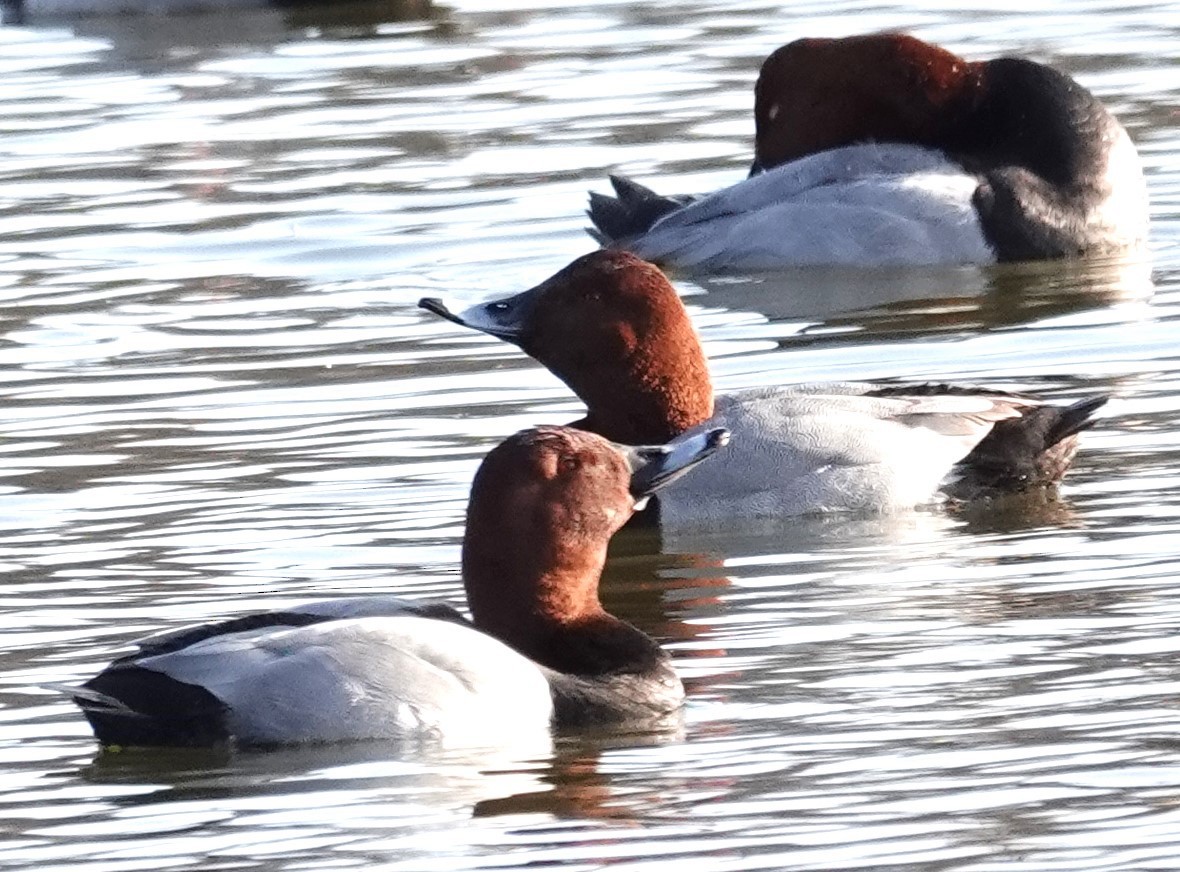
[496, 318]
[654, 466]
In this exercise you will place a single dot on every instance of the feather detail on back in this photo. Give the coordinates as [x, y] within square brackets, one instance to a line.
[861, 204]
[332, 680]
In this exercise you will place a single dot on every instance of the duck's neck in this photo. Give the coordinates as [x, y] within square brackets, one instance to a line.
[662, 390]
[595, 646]
[645, 419]
[559, 624]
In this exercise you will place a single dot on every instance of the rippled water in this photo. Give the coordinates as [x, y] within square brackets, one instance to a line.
[218, 396]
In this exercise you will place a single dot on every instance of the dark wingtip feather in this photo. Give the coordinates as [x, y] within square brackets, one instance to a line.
[596, 234]
[631, 212]
[632, 193]
[1026, 452]
[612, 219]
[1075, 418]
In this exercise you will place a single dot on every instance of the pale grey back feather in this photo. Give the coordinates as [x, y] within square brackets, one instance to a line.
[371, 677]
[817, 448]
[871, 203]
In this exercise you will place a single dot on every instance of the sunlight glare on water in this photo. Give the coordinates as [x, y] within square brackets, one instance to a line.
[220, 397]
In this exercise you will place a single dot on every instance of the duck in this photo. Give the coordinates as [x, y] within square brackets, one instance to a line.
[613, 329]
[539, 650]
[884, 150]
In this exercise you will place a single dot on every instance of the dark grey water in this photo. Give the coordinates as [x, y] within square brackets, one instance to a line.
[218, 396]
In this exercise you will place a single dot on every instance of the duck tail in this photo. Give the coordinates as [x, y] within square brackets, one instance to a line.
[1032, 450]
[130, 706]
[85, 697]
[630, 213]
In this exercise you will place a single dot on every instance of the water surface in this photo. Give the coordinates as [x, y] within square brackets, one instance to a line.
[219, 396]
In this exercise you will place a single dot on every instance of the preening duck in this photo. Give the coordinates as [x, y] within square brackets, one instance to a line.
[613, 329]
[539, 648]
[884, 149]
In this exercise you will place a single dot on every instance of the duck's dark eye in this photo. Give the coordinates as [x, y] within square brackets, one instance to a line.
[570, 463]
[498, 306]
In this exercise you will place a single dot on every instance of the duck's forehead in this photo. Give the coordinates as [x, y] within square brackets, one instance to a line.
[602, 271]
[591, 450]
[554, 440]
[588, 445]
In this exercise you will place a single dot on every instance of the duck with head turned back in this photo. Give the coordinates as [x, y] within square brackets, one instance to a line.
[614, 330]
[539, 649]
[884, 149]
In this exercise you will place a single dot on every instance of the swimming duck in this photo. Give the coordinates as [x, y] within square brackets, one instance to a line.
[539, 647]
[884, 149]
[612, 327]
